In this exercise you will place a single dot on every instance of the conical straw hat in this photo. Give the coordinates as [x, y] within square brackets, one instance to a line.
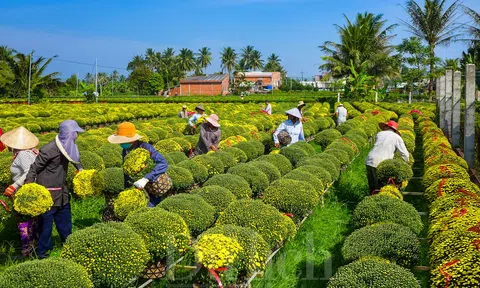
[19, 139]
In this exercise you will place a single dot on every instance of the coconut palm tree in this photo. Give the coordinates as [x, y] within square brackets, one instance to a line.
[273, 64]
[136, 62]
[435, 24]
[255, 62]
[228, 58]
[166, 66]
[6, 52]
[452, 64]
[247, 55]
[186, 60]
[20, 64]
[473, 29]
[151, 58]
[204, 58]
[365, 44]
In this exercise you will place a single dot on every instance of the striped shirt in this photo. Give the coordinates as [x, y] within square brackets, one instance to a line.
[21, 165]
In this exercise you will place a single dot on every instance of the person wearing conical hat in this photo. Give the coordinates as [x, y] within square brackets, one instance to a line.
[210, 135]
[200, 113]
[387, 142]
[300, 106]
[23, 145]
[127, 137]
[50, 170]
[184, 113]
[293, 126]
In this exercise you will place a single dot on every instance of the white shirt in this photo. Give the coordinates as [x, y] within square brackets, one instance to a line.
[268, 109]
[341, 114]
[294, 130]
[385, 146]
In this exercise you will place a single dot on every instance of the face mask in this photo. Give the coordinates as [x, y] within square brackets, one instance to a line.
[126, 145]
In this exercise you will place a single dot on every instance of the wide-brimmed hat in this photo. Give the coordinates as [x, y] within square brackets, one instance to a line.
[213, 119]
[200, 107]
[126, 133]
[340, 104]
[184, 106]
[301, 103]
[19, 139]
[390, 124]
[294, 112]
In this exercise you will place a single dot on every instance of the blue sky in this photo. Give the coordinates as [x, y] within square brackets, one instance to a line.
[114, 31]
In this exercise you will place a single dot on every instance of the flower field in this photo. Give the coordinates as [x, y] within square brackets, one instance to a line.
[228, 211]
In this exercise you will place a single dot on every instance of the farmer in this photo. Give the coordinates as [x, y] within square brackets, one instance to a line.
[209, 135]
[128, 139]
[300, 106]
[200, 113]
[293, 126]
[184, 113]
[23, 145]
[50, 170]
[387, 142]
[268, 108]
[341, 114]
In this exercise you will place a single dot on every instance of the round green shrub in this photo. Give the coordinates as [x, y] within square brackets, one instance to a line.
[329, 158]
[128, 201]
[281, 162]
[383, 208]
[305, 147]
[217, 196]
[446, 159]
[234, 183]
[184, 143]
[449, 186]
[461, 199]
[227, 159]
[291, 196]
[254, 248]
[114, 180]
[249, 149]
[269, 169]
[181, 177]
[257, 180]
[433, 173]
[161, 133]
[319, 173]
[326, 137]
[272, 225]
[167, 145]
[91, 160]
[395, 169]
[177, 157]
[198, 214]
[306, 177]
[199, 172]
[112, 253]
[323, 164]
[359, 141]
[165, 233]
[213, 164]
[238, 154]
[372, 273]
[391, 241]
[169, 159]
[259, 147]
[53, 272]
[344, 147]
[340, 155]
[111, 155]
[293, 154]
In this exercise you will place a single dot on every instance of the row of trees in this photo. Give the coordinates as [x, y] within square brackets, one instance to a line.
[366, 58]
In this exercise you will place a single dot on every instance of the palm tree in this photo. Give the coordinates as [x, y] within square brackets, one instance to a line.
[365, 44]
[473, 29]
[452, 64]
[434, 23]
[247, 55]
[136, 62]
[167, 65]
[273, 63]
[6, 52]
[228, 59]
[151, 58]
[20, 63]
[186, 60]
[255, 62]
[204, 58]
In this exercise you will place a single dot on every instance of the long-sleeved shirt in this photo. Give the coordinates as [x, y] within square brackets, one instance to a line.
[268, 109]
[294, 130]
[208, 136]
[50, 170]
[386, 144]
[341, 115]
[193, 120]
[161, 164]
[21, 165]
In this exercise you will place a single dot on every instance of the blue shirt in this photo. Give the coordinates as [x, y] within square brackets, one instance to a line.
[193, 120]
[294, 130]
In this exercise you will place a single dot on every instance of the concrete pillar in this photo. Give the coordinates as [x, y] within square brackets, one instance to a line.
[469, 120]
[338, 97]
[437, 99]
[441, 105]
[457, 82]
[376, 96]
[410, 97]
[448, 103]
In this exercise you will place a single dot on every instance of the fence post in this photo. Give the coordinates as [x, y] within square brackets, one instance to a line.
[338, 97]
[441, 105]
[469, 121]
[410, 97]
[376, 96]
[448, 103]
[457, 82]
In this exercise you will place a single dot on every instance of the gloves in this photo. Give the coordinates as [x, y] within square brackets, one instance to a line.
[10, 191]
[140, 184]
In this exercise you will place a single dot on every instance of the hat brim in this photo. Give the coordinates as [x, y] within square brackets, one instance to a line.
[213, 122]
[116, 139]
[383, 126]
[32, 143]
